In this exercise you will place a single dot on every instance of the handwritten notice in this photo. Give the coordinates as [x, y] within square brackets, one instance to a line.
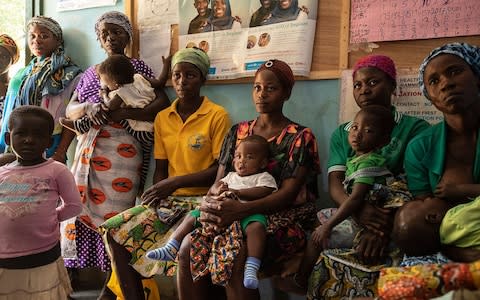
[408, 98]
[393, 20]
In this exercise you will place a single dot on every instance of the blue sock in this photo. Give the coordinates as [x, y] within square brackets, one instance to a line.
[167, 252]
[250, 280]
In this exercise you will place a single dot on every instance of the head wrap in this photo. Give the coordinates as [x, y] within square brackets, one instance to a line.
[381, 62]
[195, 56]
[9, 44]
[114, 17]
[282, 70]
[469, 53]
[220, 23]
[48, 23]
[283, 15]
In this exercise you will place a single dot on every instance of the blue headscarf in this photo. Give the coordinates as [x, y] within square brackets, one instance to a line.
[221, 23]
[283, 15]
[469, 53]
[42, 76]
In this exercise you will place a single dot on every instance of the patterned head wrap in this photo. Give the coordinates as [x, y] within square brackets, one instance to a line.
[469, 53]
[48, 23]
[9, 44]
[381, 62]
[283, 72]
[195, 56]
[117, 18]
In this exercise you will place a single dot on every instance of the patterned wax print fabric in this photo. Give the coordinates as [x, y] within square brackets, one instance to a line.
[107, 168]
[427, 281]
[294, 147]
[338, 273]
[140, 229]
[213, 252]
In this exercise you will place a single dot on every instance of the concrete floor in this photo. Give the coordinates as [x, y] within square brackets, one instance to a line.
[90, 281]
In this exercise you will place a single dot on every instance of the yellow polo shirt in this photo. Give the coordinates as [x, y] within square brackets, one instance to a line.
[192, 146]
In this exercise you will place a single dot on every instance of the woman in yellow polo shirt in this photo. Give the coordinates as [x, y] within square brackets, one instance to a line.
[188, 140]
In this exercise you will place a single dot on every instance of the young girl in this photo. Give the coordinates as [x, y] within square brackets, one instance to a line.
[248, 182]
[369, 132]
[35, 195]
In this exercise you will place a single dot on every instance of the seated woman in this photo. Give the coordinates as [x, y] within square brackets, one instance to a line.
[187, 142]
[444, 161]
[294, 165]
[374, 82]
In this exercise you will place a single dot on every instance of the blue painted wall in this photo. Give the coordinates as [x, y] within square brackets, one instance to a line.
[313, 103]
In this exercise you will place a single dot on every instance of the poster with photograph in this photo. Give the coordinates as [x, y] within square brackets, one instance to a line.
[240, 35]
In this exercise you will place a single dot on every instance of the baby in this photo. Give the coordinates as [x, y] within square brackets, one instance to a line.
[430, 225]
[249, 182]
[369, 132]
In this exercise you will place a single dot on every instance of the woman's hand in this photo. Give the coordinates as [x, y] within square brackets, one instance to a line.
[320, 236]
[374, 218]
[220, 212]
[118, 115]
[60, 157]
[158, 191]
[447, 190]
[371, 247]
[96, 113]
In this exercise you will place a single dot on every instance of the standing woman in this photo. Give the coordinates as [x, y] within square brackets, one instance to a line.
[8, 56]
[47, 81]
[108, 158]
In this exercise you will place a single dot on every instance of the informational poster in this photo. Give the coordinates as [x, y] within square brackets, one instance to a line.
[239, 35]
[408, 98]
[151, 51]
[393, 20]
[64, 5]
[155, 12]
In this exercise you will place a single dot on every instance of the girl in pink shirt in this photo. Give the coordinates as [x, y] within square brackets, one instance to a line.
[35, 195]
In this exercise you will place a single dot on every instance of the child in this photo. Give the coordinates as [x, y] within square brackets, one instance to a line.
[427, 226]
[247, 183]
[369, 132]
[36, 194]
[122, 87]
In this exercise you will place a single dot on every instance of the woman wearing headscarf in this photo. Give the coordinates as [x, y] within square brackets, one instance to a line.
[287, 10]
[374, 83]
[221, 17]
[108, 157]
[47, 81]
[9, 55]
[444, 161]
[188, 138]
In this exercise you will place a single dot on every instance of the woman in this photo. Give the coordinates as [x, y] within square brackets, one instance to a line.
[374, 82]
[295, 165]
[444, 160]
[287, 10]
[108, 158]
[9, 55]
[188, 137]
[47, 81]
[221, 17]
